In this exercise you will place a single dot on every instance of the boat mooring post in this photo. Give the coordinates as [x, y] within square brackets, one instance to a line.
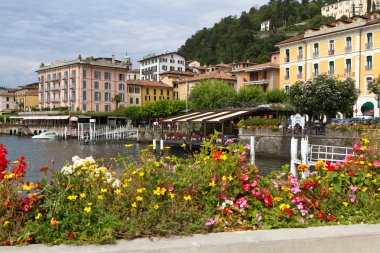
[162, 146]
[252, 150]
[304, 154]
[154, 145]
[293, 155]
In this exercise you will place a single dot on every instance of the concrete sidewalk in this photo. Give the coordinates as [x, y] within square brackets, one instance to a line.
[335, 239]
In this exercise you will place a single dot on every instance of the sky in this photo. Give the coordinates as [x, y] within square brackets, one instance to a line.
[43, 31]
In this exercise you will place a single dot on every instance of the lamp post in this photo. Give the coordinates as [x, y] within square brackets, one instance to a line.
[187, 96]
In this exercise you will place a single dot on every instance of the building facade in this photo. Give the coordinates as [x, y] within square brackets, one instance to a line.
[345, 8]
[7, 99]
[153, 65]
[264, 76]
[343, 49]
[172, 78]
[27, 97]
[83, 84]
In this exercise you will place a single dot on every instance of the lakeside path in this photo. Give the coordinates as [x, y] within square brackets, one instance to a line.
[334, 239]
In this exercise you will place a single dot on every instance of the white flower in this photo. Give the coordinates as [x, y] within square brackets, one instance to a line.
[116, 183]
[75, 158]
[67, 170]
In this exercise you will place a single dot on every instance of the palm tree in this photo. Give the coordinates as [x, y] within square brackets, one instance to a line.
[117, 99]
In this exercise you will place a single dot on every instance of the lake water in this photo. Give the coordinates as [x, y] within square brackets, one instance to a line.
[39, 152]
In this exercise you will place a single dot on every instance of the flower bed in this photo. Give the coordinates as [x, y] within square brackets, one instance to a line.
[216, 190]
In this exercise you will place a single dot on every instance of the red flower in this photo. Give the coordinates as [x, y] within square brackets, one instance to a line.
[217, 155]
[351, 173]
[320, 215]
[44, 168]
[267, 199]
[227, 211]
[330, 217]
[329, 166]
[70, 235]
[324, 192]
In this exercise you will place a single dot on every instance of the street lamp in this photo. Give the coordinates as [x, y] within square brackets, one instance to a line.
[187, 96]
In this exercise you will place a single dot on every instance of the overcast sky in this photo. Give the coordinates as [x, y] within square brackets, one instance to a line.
[35, 31]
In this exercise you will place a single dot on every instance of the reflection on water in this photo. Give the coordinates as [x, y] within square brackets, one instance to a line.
[39, 152]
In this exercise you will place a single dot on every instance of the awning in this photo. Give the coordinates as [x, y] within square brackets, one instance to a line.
[57, 117]
[33, 117]
[195, 116]
[74, 118]
[228, 116]
[180, 117]
[210, 116]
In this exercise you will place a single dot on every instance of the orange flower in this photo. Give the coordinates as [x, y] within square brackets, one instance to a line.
[54, 222]
[44, 168]
[302, 167]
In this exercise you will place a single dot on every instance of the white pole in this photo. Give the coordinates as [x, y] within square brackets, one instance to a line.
[304, 154]
[293, 155]
[162, 144]
[252, 151]
[154, 144]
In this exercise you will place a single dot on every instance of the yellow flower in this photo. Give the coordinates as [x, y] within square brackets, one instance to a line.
[345, 203]
[27, 187]
[100, 197]
[103, 190]
[117, 191]
[87, 209]
[38, 216]
[125, 185]
[365, 140]
[230, 178]
[141, 174]
[16, 162]
[72, 197]
[368, 175]
[364, 189]
[374, 181]
[82, 195]
[183, 145]
[172, 195]
[362, 162]
[134, 172]
[89, 203]
[223, 157]
[212, 184]
[206, 158]
[319, 164]
[5, 223]
[187, 198]
[224, 178]
[156, 206]
[278, 198]
[140, 190]
[166, 147]
[139, 198]
[157, 191]
[134, 205]
[285, 189]
[128, 145]
[284, 206]
[162, 191]
[364, 148]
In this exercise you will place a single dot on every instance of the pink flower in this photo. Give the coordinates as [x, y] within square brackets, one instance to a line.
[245, 177]
[241, 202]
[352, 198]
[259, 217]
[353, 188]
[357, 147]
[304, 212]
[376, 163]
[246, 187]
[247, 146]
[210, 222]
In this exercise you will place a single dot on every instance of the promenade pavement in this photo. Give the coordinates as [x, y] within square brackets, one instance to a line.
[334, 239]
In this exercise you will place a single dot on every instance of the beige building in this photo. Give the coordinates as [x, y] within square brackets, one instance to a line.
[27, 97]
[83, 84]
[345, 8]
[7, 99]
[172, 78]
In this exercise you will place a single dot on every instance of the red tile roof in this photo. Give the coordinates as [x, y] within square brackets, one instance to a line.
[295, 38]
[176, 72]
[147, 83]
[212, 75]
[259, 66]
[134, 71]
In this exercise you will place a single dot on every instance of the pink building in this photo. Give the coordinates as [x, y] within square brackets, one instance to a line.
[88, 84]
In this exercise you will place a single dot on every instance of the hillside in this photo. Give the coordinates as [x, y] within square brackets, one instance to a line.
[236, 39]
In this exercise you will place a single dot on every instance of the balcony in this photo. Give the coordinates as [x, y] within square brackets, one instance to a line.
[64, 99]
[286, 59]
[73, 76]
[331, 52]
[56, 100]
[347, 70]
[257, 82]
[65, 87]
[348, 49]
[286, 77]
[65, 77]
[368, 67]
[299, 75]
[72, 86]
[315, 54]
[300, 57]
[331, 72]
[369, 45]
[315, 74]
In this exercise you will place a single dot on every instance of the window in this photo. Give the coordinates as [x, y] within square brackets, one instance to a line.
[331, 47]
[287, 88]
[107, 108]
[121, 87]
[147, 91]
[107, 75]
[97, 108]
[162, 92]
[369, 63]
[175, 84]
[316, 69]
[348, 66]
[131, 101]
[369, 43]
[107, 96]
[97, 75]
[73, 96]
[121, 77]
[137, 90]
[164, 67]
[154, 91]
[137, 101]
[84, 107]
[84, 73]
[97, 96]
[73, 73]
[299, 74]
[7, 99]
[348, 44]
[84, 95]
[107, 86]
[172, 68]
[287, 73]
[167, 92]
[65, 75]
[287, 53]
[96, 85]
[331, 68]
[179, 68]
[368, 80]
[300, 53]
[172, 61]
[154, 98]
[84, 84]
[7, 106]
[316, 50]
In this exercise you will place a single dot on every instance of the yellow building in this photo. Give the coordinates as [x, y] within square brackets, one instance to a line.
[342, 49]
[172, 78]
[147, 91]
[27, 97]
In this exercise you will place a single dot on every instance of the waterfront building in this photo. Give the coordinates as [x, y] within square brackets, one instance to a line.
[142, 91]
[172, 78]
[151, 66]
[265, 76]
[342, 49]
[186, 84]
[88, 84]
[345, 8]
[27, 97]
[7, 99]
[133, 74]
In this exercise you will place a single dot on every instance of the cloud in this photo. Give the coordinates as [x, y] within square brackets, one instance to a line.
[35, 31]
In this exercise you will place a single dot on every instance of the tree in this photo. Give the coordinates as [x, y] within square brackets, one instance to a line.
[250, 96]
[276, 96]
[324, 95]
[117, 99]
[211, 94]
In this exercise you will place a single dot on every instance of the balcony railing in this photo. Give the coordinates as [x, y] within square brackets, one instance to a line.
[315, 54]
[315, 74]
[286, 59]
[300, 75]
[368, 67]
[286, 77]
[331, 72]
[331, 51]
[348, 49]
[347, 70]
[256, 82]
[72, 86]
[369, 45]
[299, 57]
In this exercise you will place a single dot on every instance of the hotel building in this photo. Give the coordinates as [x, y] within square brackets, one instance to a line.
[27, 97]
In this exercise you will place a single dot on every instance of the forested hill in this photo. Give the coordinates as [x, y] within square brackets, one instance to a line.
[236, 39]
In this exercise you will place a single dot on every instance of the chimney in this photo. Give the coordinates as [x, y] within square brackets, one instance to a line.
[113, 58]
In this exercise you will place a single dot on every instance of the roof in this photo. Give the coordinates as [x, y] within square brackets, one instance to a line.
[295, 38]
[215, 116]
[147, 83]
[259, 67]
[163, 54]
[39, 117]
[212, 75]
[134, 71]
[177, 72]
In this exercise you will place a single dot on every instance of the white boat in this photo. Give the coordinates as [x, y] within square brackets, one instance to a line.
[46, 135]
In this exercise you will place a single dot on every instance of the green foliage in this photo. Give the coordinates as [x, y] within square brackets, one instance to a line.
[323, 95]
[163, 108]
[259, 122]
[374, 86]
[251, 94]
[211, 94]
[276, 96]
